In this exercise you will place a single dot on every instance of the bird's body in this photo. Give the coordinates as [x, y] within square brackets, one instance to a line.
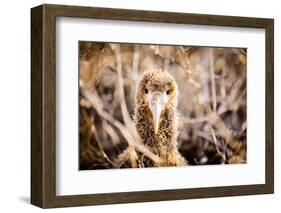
[156, 118]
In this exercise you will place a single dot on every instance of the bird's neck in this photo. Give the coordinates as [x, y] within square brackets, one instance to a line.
[165, 139]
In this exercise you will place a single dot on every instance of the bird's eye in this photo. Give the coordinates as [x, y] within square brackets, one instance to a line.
[146, 91]
[168, 92]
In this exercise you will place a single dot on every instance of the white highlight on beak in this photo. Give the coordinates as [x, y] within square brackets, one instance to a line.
[157, 101]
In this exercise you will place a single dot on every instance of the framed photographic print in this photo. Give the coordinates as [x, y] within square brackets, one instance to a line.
[136, 106]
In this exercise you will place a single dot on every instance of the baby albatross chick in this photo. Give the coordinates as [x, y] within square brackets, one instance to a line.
[156, 118]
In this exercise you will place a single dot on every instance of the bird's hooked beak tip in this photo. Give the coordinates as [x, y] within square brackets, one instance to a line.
[156, 127]
[156, 104]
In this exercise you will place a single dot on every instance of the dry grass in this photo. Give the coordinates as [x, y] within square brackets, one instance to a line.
[212, 102]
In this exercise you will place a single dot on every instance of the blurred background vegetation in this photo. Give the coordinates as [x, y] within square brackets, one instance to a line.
[212, 102]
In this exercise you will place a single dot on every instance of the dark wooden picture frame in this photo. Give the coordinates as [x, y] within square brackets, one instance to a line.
[43, 105]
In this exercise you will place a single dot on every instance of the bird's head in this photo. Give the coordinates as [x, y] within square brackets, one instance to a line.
[157, 91]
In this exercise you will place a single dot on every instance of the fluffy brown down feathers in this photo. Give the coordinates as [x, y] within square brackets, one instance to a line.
[163, 141]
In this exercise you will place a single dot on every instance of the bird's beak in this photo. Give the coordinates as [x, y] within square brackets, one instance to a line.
[156, 104]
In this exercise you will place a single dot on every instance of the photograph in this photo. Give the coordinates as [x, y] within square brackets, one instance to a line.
[143, 105]
[147, 105]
